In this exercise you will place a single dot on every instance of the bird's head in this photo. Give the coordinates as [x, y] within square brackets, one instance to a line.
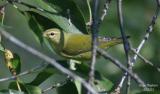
[53, 35]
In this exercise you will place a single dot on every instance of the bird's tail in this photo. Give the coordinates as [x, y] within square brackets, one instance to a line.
[109, 42]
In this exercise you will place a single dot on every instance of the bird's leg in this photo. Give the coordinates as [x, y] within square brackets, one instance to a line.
[72, 64]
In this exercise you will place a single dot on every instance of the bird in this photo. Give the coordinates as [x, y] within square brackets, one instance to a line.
[76, 46]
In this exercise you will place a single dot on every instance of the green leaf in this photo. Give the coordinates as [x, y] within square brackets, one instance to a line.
[46, 73]
[83, 69]
[68, 88]
[35, 26]
[43, 75]
[33, 89]
[76, 15]
[102, 84]
[1, 48]
[37, 22]
[10, 91]
[13, 85]
[29, 89]
[55, 16]
[16, 63]
[61, 21]
[39, 4]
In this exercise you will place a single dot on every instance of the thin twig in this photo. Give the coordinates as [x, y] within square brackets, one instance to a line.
[145, 60]
[90, 13]
[105, 11]
[149, 30]
[120, 85]
[51, 61]
[125, 42]
[129, 66]
[23, 73]
[158, 3]
[18, 85]
[94, 30]
[121, 24]
[122, 67]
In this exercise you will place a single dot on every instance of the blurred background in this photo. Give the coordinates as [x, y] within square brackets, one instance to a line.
[137, 16]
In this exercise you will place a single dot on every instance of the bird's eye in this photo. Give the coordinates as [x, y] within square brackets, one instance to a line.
[52, 34]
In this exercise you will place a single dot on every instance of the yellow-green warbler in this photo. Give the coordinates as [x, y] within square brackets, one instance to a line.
[76, 46]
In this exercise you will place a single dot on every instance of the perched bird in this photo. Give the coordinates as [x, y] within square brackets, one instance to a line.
[76, 46]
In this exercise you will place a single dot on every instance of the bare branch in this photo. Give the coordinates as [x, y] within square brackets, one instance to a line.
[145, 60]
[105, 11]
[158, 3]
[122, 67]
[94, 29]
[148, 32]
[121, 24]
[125, 42]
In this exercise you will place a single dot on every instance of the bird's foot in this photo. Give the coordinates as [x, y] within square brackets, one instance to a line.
[72, 64]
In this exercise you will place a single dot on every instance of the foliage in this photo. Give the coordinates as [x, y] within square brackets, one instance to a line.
[28, 19]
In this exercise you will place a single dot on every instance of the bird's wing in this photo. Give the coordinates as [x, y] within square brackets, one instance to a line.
[77, 43]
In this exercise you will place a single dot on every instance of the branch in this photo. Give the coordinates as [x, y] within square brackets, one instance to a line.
[47, 59]
[148, 31]
[158, 3]
[125, 43]
[105, 11]
[23, 73]
[121, 24]
[122, 67]
[94, 29]
[145, 60]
